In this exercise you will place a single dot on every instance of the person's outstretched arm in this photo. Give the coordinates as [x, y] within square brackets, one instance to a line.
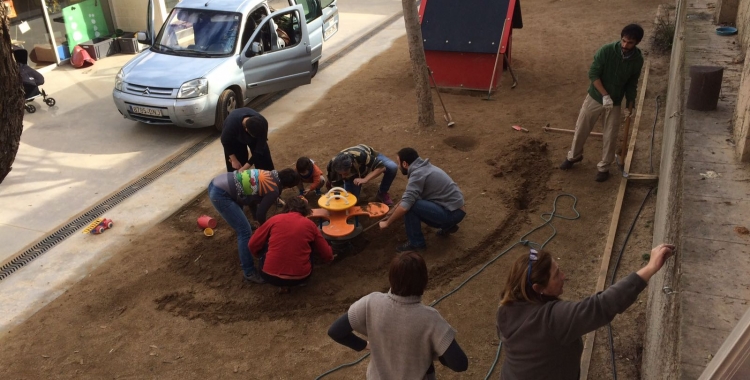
[571, 320]
[455, 358]
[341, 331]
[259, 239]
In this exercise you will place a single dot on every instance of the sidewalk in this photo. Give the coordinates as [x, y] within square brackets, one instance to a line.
[47, 277]
[713, 284]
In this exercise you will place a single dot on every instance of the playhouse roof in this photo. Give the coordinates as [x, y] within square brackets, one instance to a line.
[472, 26]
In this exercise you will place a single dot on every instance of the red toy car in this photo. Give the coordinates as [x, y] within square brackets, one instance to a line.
[104, 225]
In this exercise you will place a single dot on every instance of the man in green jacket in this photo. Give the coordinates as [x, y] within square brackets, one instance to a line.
[614, 74]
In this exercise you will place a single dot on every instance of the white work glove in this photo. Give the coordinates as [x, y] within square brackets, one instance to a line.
[607, 102]
[626, 113]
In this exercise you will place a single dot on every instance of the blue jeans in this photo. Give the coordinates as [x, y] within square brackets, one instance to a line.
[431, 214]
[232, 212]
[391, 169]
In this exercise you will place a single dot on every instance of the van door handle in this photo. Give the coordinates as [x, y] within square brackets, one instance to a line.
[251, 85]
[308, 48]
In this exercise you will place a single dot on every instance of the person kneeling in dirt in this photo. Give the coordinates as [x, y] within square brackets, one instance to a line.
[285, 244]
[430, 196]
[229, 192]
[541, 334]
[358, 165]
[310, 173]
[403, 335]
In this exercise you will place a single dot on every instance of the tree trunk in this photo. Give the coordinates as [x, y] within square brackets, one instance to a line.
[418, 64]
[11, 99]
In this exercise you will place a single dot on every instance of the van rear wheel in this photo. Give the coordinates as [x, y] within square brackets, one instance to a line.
[227, 103]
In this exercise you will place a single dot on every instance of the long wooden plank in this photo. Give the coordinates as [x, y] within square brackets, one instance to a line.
[642, 178]
[571, 131]
[589, 343]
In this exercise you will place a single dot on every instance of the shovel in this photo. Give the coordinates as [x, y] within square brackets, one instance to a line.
[446, 115]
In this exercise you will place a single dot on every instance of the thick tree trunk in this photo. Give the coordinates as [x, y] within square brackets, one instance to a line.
[418, 63]
[11, 99]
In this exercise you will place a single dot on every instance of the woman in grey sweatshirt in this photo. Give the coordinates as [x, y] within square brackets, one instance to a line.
[403, 335]
[541, 334]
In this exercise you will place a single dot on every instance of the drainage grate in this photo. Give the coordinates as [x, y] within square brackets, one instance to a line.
[89, 216]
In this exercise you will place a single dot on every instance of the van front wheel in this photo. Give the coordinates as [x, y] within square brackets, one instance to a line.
[314, 70]
[227, 103]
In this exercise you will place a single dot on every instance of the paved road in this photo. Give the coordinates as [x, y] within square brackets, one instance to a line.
[75, 154]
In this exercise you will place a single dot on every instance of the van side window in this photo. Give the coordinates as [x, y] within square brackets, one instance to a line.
[282, 31]
[249, 29]
[312, 8]
[252, 22]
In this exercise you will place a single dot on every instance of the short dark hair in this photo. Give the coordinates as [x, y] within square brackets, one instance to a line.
[256, 127]
[297, 204]
[407, 155]
[408, 275]
[341, 163]
[633, 31]
[303, 164]
[289, 178]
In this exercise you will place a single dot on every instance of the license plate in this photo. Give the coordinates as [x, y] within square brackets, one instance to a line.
[145, 111]
[330, 28]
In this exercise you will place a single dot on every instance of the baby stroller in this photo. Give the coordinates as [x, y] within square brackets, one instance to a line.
[31, 80]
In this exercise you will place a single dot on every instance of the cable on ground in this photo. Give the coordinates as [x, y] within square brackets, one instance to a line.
[547, 217]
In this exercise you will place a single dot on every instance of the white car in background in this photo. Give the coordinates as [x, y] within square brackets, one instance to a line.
[212, 56]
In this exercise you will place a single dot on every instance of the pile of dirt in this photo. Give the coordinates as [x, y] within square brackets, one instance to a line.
[527, 167]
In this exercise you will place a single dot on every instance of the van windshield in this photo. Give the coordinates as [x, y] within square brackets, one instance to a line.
[200, 33]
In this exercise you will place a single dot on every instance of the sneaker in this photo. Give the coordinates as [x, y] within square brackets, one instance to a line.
[408, 247]
[255, 278]
[567, 164]
[602, 176]
[442, 232]
[385, 198]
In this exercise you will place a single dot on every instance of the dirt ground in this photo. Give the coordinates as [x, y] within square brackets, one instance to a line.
[173, 305]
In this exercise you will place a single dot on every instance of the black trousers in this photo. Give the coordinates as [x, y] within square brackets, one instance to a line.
[282, 282]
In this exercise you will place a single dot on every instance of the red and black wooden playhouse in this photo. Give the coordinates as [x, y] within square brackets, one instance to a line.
[465, 41]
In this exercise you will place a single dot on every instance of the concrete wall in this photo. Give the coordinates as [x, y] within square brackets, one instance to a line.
[661, 337]
[742, 112]
[743, 24]
[130, 15]
[726, 11]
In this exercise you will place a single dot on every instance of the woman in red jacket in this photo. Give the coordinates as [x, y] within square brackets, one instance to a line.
[285, 243]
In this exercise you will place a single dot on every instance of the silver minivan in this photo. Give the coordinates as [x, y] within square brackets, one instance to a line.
[212, 56]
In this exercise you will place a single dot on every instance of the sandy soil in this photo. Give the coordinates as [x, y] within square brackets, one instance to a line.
[172, 305]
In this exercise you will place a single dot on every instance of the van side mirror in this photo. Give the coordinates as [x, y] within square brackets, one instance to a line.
[256, 48]
[142, 37]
